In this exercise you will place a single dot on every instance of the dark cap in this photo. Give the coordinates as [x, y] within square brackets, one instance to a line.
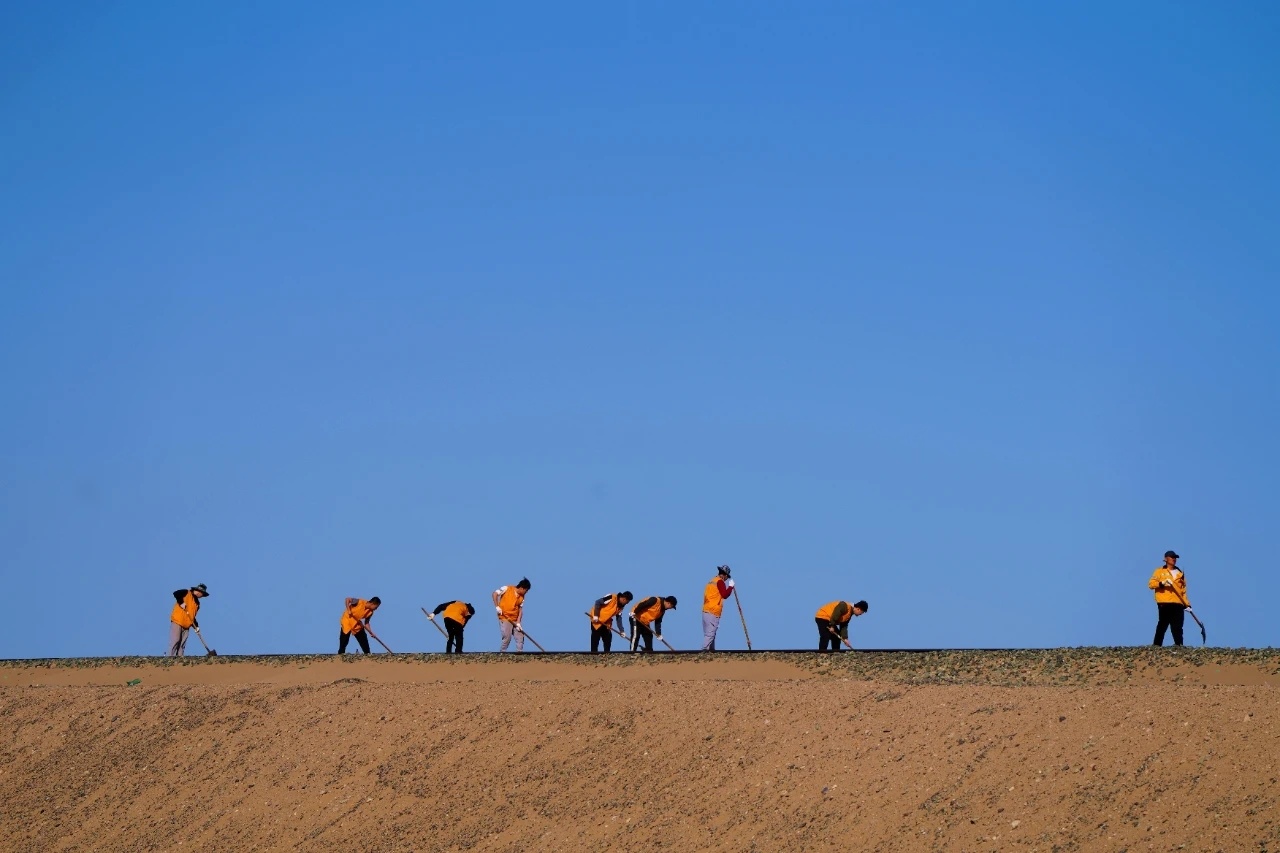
[200, 588]
[1171, 554]
[724, 570]
[671, 599]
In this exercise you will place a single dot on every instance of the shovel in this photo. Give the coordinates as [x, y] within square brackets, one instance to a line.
[211, 652]
[379, 639]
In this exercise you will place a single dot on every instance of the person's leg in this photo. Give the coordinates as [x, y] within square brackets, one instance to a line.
[1176, 617]
[710, 622]
[824, 634]
[183, 633]
[606, 637]
[507, 629]
[175, 635]
[1162, 624]
[454, 630]
[648, 639]
[519, 635]
[457, 645]
[343, 639]
[595, 640]
[363, 639]
[635, 633]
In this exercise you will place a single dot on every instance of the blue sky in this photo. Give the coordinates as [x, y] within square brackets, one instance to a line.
[967, 309]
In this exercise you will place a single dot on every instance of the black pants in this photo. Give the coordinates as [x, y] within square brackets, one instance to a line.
[641, 631]
[601, 635]
[1171, 616]
[344, 638]
[826, 637]
[454, 643]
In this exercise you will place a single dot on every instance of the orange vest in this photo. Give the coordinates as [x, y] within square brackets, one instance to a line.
[184, 614]
[511, 601]
[457, 611]
[826, 611]
[712, 601]
[351, 618]
[608, 610]
[650, 613]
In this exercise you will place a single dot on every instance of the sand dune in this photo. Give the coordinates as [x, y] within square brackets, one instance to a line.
[1112, 749]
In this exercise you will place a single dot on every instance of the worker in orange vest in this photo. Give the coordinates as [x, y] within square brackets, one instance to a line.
[1170, 586]
[604, 611]
[646, 620]
[833, 622]
[183, 617]
[456, 616]
[508, 601]
[718, 589]
[357, 615]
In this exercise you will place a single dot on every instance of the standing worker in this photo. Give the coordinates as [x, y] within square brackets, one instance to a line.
[183, 618]
[833, 622]
[355, 618]
[718, 589]
[509, 602]
[646, 620]
[456, 616]
[605, 610]
[1170, 586]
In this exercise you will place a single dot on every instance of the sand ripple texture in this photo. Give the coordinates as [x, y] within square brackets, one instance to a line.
[1049, 750]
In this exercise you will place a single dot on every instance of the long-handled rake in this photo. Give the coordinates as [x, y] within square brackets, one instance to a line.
[745, 633]
[433, 621]
[379, 639]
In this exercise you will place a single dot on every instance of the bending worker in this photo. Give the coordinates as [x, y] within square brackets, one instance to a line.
[718, 589]
[646, 620]
[456, 616]
[1170, 586]
[183, 617]
[508, 601]
[605, 610]
[355, 618]
[833, 623]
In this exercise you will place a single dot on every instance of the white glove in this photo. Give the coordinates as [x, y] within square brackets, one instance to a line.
[657, 637]
[518, 628]
[497, 609]
[729, 583]
[431, 616]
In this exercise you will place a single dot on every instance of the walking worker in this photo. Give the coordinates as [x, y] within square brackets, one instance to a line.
[605, 610]
[718, 589]
[833, 622]
[646, 620]
[355, 618]
[456, 616]
[1170, 585]
[183, 618]
[509, 602]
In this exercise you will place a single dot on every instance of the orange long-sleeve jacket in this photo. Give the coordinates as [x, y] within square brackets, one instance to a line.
[1165, 595]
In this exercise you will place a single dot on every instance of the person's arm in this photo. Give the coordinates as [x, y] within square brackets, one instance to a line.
[657, 623]
[179, 595]
[618, 619]
[497, 594]
[838, 614]
[595, 610]
[440, 608]
[1158, 579]
[725, 587]
[1180, 585]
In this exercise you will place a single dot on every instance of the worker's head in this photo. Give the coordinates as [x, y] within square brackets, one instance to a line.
[723, 570]
[375, 601]
[1170, 558]
[625, 597]
[859, 608]
[199, 590]
[670, 602]
[524, 584]
[471, 611]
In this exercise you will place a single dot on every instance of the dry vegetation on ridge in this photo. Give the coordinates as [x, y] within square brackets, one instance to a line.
[1074, 749]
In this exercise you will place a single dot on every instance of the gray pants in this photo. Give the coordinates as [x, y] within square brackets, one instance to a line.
[509, 629]
[177, 640]
[710, 624]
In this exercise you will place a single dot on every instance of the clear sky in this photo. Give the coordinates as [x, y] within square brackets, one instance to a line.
[968, 309]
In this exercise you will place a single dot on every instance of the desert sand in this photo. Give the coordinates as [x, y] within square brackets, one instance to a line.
[1053, 750]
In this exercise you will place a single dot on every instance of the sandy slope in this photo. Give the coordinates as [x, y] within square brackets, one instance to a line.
[1057, 750]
